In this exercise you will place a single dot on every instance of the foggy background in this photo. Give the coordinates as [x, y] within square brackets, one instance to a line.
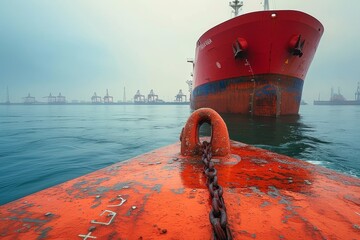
[78, 47]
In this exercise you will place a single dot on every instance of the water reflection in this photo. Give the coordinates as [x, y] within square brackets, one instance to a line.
[286, 135]
[263, 130]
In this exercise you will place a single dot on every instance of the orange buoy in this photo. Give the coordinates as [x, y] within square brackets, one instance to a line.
[163, 195]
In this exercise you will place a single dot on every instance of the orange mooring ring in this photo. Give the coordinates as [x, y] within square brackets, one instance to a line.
[190, 143]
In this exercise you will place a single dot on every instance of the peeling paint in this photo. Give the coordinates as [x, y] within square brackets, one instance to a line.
[259, 161]
[32, 220]
[44, 233]
[157, 188]
[260, 203]
[178, 191]
[264, 204]
[273, 192]
[256, 190]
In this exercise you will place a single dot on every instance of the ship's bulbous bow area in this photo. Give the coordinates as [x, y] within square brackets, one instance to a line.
[256, 63]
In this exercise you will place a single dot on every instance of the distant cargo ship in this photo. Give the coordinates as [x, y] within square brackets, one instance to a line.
[255, 63]
[339, 99]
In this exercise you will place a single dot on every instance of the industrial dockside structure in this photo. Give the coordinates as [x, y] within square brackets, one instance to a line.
[255, 63]
[339, 99]
[138, 99]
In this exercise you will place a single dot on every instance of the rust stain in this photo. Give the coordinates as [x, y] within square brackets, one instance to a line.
[268, 196]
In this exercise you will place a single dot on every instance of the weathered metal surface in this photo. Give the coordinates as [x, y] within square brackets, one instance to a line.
[220, 142]
[260, 95]
[266, 77]
[267, 195]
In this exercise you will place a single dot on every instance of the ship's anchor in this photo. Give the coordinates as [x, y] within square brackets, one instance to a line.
[296, 45]
[239, 47]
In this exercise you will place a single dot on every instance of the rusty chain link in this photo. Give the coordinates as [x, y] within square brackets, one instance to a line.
[217, 216]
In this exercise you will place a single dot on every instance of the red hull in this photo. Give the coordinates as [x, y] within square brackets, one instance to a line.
[255, 63]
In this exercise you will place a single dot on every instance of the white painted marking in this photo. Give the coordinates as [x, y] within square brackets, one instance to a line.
[111, 213]
[122, 200]
[87, 236]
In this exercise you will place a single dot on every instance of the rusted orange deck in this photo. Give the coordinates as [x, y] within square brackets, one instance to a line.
[162, 195]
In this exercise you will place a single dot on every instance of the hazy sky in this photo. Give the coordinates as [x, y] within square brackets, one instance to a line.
[78, 47]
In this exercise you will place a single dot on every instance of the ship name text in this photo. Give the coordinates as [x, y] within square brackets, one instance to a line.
[205, 43]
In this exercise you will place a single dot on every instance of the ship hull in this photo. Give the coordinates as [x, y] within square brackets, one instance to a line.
[255, 63]
[263, 95]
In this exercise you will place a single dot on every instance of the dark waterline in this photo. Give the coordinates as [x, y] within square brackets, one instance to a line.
[41, 146]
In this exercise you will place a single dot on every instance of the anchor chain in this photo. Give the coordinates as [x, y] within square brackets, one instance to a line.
[218, 215]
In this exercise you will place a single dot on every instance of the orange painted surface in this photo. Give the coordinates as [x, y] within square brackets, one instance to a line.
[267, 195]
[189, 137]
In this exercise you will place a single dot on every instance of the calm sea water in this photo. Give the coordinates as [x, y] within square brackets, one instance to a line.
[41, 146]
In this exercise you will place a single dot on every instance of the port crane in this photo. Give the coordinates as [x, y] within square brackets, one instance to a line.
[152, 97]
[95, 98]
[138, 97]
[108, 98]
[180, 96]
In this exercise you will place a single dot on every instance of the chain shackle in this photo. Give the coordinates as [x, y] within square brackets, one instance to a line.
[219, 146]
[220, 141]
[218, 215]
